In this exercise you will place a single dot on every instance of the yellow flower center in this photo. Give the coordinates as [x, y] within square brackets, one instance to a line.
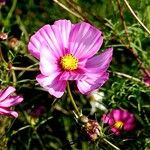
[118, 124]
[69, 62]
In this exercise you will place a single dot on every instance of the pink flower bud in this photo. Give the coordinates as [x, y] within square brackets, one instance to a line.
[90, 128]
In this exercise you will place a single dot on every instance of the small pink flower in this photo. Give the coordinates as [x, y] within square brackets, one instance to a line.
[147, 78]
[119, 120]
[147, 81]
[7, 100]
[68, 52]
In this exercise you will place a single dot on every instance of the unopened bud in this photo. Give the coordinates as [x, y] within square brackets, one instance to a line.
[83, 119]
[91, 130]
[13, 42]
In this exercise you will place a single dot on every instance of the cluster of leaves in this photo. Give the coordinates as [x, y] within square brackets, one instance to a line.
[47, 123]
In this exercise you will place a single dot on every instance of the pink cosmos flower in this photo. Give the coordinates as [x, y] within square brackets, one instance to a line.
[7, 100]
[119, 120]
[147, 79]
[68, 52]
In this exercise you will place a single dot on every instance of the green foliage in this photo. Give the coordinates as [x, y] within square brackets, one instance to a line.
[56, 128]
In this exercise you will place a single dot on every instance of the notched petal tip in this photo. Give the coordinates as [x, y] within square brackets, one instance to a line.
[36, 40]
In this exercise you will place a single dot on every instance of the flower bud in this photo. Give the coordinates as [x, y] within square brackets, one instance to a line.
[91, 130]
[13, 43]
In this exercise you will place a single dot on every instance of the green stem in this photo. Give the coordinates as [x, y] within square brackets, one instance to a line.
[10, 12]
[24, 69]
[39, 139]
[1, 56]
[8, 129]
[23, 128]
[14, 77]
[136, 17]
[69, 10]
[127, 76]
[23, 28]
[111, 144]
[72, 100]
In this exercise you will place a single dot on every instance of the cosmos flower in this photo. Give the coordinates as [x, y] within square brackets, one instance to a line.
[119, 120]
[67, 52]
[147, 79]
[7, 100]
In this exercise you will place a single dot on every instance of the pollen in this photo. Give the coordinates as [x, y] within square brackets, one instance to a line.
[118, 124]
[69, 62]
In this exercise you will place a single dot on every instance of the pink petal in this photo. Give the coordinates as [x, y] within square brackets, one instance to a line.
[34, 46]
[6, 92]
[48, 61]
[8, 112]
[85, 40]
[52, 84]
[147, 81]
[125, 115]
[64, 27]
[11, 101]
[91, 83]
[107, 118]
[117, 114]
[78, 74]
[130, 119]
[115, 131]
[46, 80]
[100, 62]
[129, 127]
[51, 36]
[57, 88]
[122, 115]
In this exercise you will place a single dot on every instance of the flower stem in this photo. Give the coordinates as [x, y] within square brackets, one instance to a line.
[69, 10]
[115, 147]
[127, 76]
[21, 129]
[39, 139]
[24, 68]
[7, 20]
[72, 100]
[135, 16]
